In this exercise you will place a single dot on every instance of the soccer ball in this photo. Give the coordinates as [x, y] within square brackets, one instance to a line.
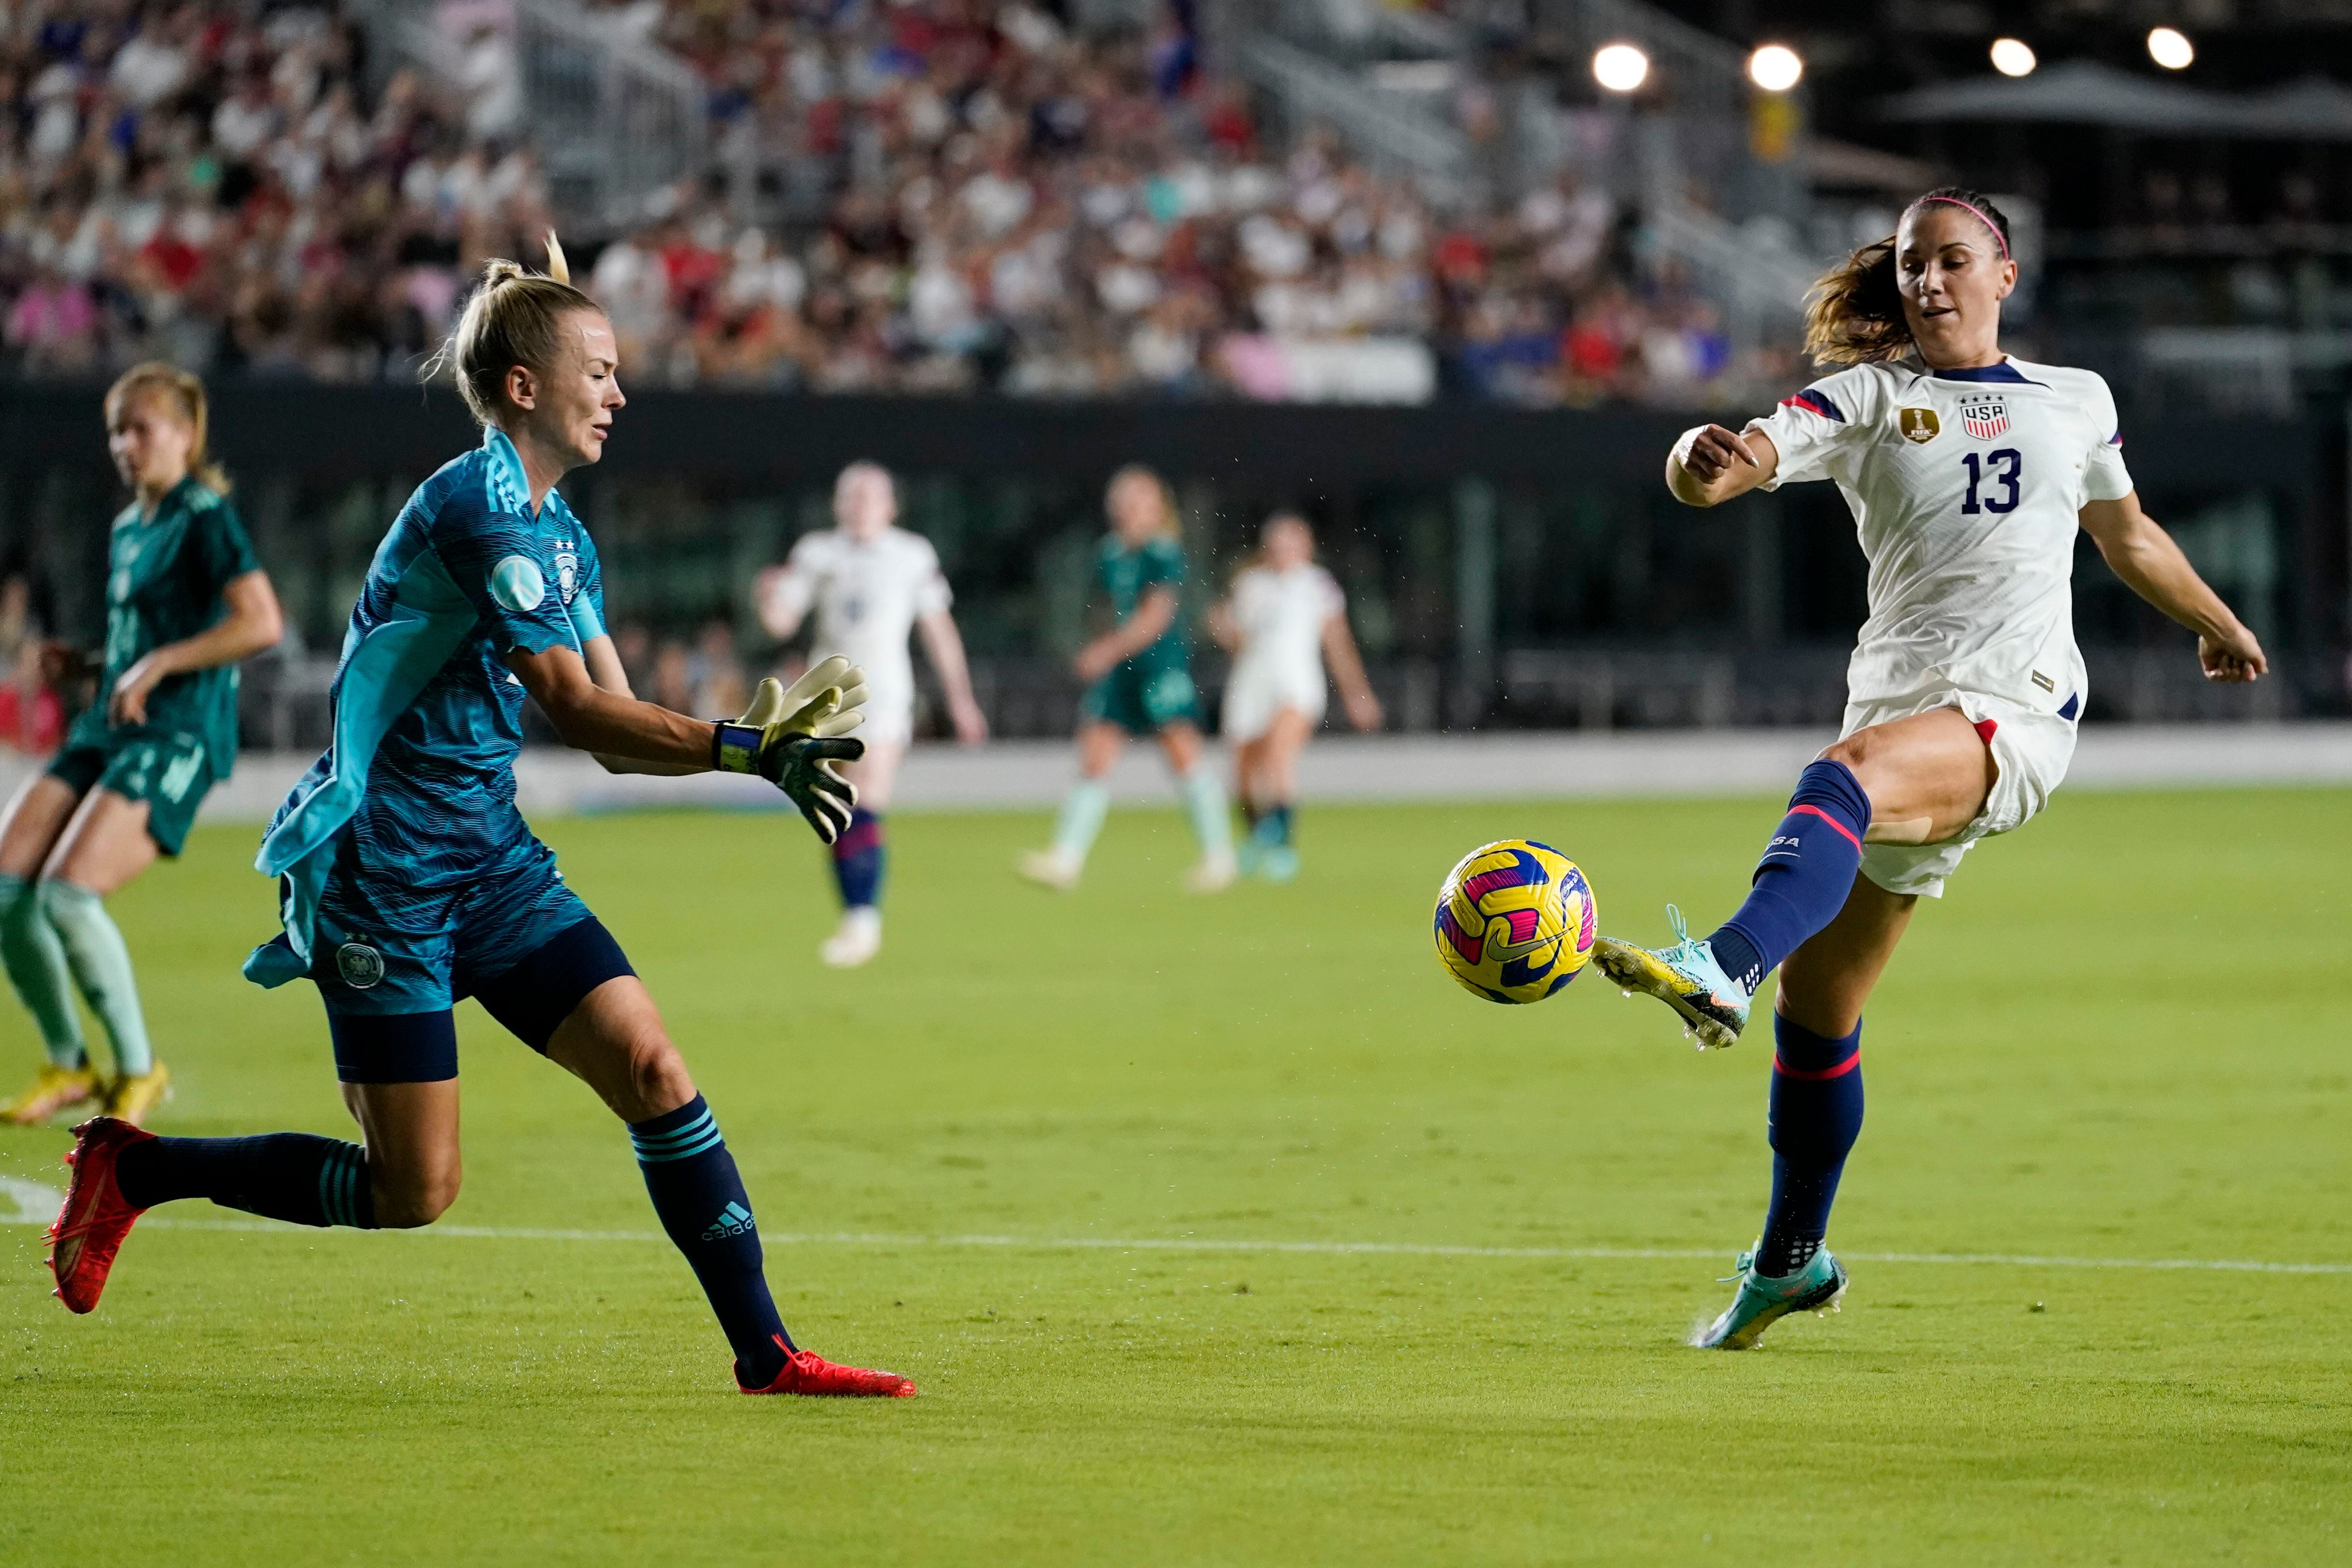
[1514, 921]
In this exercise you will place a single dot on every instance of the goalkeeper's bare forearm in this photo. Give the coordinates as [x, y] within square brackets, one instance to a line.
[613, 726]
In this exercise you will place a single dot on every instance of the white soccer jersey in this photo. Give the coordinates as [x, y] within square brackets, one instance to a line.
[1281, 617]
[1965, 486]
[866, 596]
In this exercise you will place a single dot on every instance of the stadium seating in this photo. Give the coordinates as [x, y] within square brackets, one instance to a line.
[958, 197]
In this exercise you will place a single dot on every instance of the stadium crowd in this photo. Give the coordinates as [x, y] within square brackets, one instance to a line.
[993, 202]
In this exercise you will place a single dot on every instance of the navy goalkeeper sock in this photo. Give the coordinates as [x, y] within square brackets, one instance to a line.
[700, 1196]
[1804, 877]
[1816, 1115]
[858, 860]
[294, 1176]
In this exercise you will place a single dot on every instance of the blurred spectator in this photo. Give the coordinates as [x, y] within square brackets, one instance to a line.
[717, 673]
[673, 682]
[633, 643]
[32, 716]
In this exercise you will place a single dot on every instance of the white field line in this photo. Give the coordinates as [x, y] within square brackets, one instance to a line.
[37, 1205]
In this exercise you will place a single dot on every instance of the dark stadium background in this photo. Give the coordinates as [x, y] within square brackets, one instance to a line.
[1591, 272]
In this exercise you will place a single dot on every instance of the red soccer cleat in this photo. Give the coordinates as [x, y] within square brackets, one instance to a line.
[89, 1228]
[805, 1372]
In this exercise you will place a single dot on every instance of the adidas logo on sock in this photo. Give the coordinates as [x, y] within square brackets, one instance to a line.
[733, 1220]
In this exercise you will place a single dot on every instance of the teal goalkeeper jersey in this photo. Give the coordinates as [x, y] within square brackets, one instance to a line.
[163, 582]
[1127, 575]
[418, 777]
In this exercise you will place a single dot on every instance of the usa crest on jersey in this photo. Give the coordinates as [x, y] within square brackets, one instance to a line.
[1984, 418]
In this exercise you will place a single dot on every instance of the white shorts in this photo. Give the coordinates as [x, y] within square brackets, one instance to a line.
[2030, 747]
[1253, 696]
[891, 723]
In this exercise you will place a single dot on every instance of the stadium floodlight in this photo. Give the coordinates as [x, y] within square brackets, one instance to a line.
[2170, 47]
[2013, 57]
[1775, 67]
[1620, 68]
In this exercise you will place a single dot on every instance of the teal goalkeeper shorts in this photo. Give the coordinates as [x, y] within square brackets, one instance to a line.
[1143, 702]
[172, 774]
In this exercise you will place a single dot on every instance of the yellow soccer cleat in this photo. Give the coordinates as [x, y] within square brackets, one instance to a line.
[55, 1088]
[133, 1096]
[1685, 977]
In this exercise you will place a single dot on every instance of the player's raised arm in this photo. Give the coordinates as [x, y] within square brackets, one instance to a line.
[2152, 565]
[1710, 465]
[796, 751]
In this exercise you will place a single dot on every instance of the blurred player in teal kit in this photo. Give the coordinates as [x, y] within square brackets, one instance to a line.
[1141, 684]
[409, 881]
[184, 601]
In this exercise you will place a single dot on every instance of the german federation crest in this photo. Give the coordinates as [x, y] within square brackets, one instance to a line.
[360, 964]
[567, 575]
[1984, 418]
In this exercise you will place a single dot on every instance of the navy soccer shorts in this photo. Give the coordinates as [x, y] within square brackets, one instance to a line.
[391, 959]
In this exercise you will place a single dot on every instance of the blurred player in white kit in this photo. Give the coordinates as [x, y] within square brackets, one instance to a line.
[1285, 621]
[869, 583]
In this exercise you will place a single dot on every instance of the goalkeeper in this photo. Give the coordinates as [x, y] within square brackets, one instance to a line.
[409, 881]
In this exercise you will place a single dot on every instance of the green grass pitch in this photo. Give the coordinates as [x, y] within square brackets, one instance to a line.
[2120, 1038]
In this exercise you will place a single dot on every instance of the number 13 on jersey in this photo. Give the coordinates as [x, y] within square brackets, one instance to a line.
[2000, 468]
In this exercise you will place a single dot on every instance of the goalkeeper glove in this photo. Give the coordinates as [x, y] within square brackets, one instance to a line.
[796, 740]
[825, 703]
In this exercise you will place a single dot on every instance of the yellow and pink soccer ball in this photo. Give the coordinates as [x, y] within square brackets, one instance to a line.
[1514, 921]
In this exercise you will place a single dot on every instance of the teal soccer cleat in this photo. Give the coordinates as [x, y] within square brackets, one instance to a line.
[1763, 1302]
[1685, 977]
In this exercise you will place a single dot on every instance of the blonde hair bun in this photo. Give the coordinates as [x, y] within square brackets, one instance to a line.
[514, 317]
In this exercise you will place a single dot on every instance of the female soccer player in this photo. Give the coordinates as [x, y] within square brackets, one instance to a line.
[184, 601]
[1141, 684]
[871, 584]
[1968, 473]
[409, 880]
[1283, 622]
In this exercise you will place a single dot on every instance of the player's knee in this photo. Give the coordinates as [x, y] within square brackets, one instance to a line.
[408, 1202]
[657, 1075]
[1866, 760]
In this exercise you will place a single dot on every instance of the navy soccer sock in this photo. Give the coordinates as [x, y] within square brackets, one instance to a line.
[294, 1176]
[1804, 877]
[700, 1196]
[857, 860]
[1816, 1114]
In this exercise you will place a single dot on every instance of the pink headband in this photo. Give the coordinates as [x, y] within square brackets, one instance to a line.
[1997, 237]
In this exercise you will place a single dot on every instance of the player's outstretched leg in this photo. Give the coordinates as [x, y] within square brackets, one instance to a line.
[120, 1172]
[1815, 1117]
[1799, 885]
[859, 860]
[614, 1040]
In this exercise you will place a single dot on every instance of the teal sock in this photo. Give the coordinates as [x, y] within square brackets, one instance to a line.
[1083, 810]
[101, 962]
[1204, 803]
[36, 961]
